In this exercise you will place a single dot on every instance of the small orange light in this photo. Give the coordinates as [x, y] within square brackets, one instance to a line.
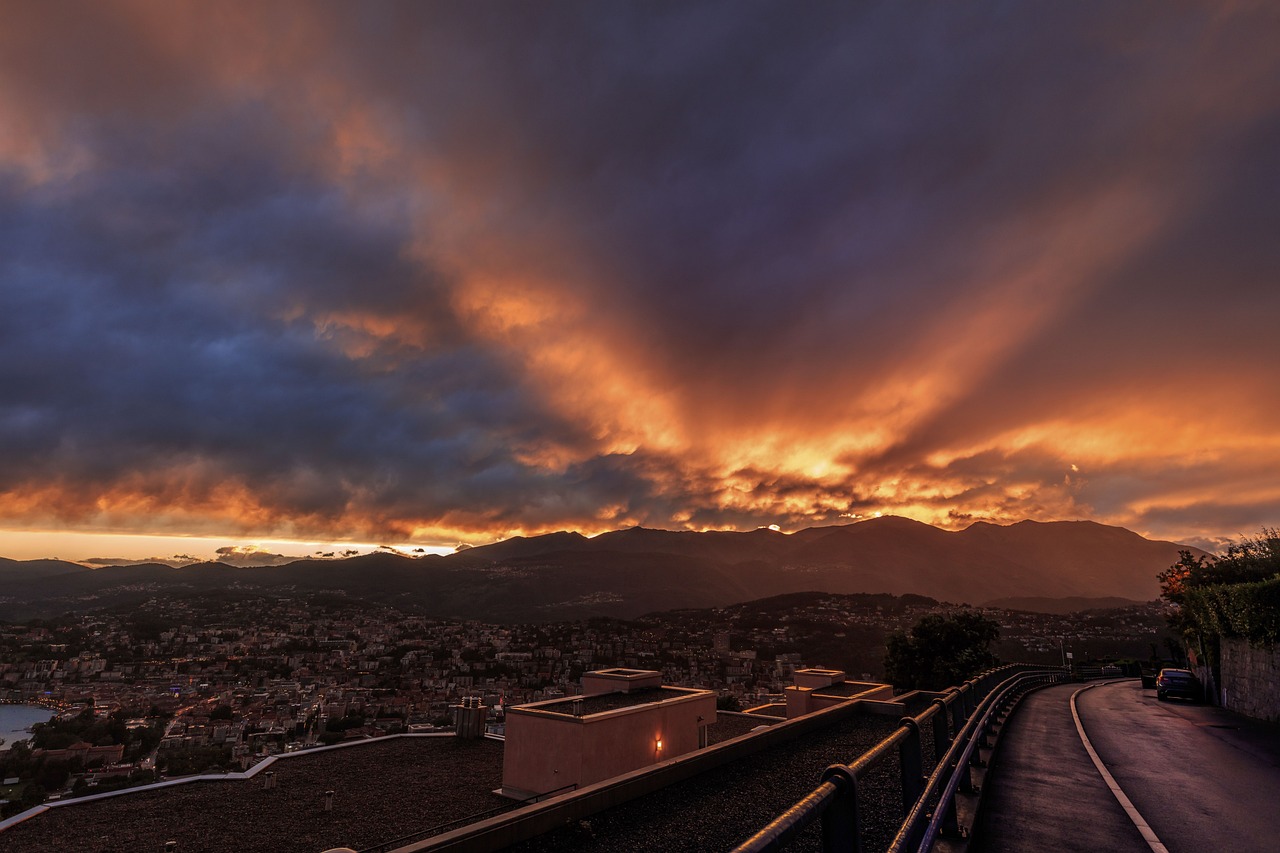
[659, 744]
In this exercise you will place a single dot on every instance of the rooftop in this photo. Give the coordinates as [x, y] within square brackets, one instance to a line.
[846, 688]
[383, 789]
[602, 702]
[730, 725]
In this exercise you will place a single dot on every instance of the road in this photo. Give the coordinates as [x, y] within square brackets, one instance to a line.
[1202, 778]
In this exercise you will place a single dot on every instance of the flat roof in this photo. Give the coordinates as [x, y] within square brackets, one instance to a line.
[730, 725]
[602, 702]
[846, 688]
[626, 672]
[384, 788]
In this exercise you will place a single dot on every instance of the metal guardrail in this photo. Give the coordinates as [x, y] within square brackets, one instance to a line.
[922, 826]
[969, 709]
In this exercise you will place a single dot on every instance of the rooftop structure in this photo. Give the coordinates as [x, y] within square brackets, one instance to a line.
[815, 689]
[625, 721]
[615, 680]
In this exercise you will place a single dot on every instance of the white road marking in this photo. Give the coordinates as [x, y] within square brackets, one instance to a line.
[1148, 834]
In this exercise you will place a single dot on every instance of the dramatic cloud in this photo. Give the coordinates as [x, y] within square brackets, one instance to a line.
[432, 273]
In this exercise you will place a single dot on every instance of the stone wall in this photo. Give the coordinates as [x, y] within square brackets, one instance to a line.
[1251, 679]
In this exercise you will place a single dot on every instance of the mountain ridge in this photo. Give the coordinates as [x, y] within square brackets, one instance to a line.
[636, 570]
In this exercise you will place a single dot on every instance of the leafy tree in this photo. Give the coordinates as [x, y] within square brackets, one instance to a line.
[1235, 593]
[941, 650]
[1246, 561]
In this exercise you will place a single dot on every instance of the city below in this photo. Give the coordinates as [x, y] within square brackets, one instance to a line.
[218, 682]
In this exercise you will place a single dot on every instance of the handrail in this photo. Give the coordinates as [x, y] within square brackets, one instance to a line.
[835, 800]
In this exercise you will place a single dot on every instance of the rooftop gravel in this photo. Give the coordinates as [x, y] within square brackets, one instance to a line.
[383, 789]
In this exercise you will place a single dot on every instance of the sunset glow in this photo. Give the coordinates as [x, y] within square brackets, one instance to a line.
[419, 276]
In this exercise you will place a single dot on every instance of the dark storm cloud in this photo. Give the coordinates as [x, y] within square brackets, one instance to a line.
[148, 323]
[398, 267]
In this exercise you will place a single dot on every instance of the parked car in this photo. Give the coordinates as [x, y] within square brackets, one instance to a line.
[1178, 682]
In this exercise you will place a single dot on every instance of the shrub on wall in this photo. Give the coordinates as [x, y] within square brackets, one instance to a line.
[1247, 610]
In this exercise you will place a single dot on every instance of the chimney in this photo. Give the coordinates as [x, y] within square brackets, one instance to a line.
[469, 717]
[328, 801]
[268, 780]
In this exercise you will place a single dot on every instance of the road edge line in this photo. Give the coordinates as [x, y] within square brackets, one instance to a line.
[1148, 834]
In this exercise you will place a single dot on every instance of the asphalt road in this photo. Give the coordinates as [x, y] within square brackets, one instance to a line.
[1204, 779]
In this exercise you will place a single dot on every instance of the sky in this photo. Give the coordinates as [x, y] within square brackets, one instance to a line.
[331, 275]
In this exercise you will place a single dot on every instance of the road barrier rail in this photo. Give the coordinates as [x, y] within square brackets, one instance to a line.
[965, 720]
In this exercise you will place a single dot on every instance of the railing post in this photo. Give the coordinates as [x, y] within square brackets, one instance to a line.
[912, 764]
[957, 711]
[941, 735]
[950, 826]
[841, 823]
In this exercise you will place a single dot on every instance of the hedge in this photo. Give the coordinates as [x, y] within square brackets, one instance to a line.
[1247, 610]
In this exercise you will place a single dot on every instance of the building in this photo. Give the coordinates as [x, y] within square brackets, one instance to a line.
[815, 689]
[626, 719]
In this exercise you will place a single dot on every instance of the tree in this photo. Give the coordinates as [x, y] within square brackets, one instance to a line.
[1246, 561]
[941, 650]
[1234, 593]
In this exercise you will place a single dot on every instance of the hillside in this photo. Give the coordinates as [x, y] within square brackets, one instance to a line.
[629, 572]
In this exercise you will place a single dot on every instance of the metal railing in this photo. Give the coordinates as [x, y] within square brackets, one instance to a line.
[968, 710]
[953, 772]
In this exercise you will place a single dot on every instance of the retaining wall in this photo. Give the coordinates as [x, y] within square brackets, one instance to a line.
[1251, 679]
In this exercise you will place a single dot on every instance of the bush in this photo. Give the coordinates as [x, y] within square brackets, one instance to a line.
[1247, 610]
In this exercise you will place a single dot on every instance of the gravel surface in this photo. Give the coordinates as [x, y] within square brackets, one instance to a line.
[382, 790]
[729, 726]
[723, 807]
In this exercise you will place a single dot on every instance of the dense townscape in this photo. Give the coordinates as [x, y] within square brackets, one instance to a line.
[216, 682]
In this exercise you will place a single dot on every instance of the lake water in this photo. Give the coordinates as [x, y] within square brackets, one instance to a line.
[14, 720]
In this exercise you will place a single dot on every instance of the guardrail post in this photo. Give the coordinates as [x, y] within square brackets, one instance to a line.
[957, 711]
[912, 764]
[841, 823]
[966, 772]
[941, 735]
[951, 818]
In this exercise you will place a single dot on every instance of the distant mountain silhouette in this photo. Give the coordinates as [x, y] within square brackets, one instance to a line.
[629, 572]
[1061, 606]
